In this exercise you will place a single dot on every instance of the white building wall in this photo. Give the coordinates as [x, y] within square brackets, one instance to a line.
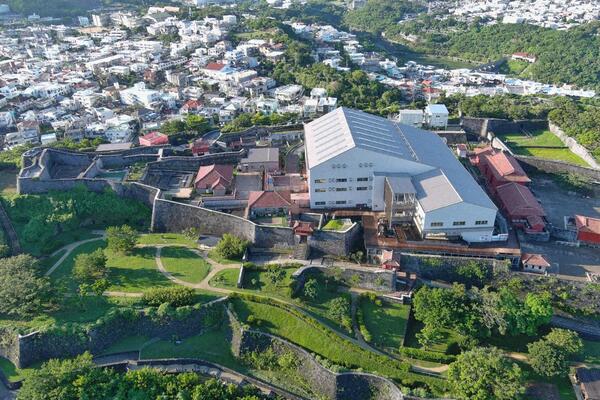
[461, 212]
[353, 165]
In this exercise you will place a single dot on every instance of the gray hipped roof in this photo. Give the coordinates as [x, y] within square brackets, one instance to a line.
[447, 182]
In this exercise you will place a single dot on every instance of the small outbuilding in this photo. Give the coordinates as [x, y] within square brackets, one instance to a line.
[535, 263]
[588, 230]
[589, 382]
[154, 139]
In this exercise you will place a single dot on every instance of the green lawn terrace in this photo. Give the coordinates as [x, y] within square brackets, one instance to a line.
[258, 280]
[541, 144]
[341, 224]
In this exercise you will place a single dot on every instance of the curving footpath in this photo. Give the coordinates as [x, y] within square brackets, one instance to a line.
[69, 249]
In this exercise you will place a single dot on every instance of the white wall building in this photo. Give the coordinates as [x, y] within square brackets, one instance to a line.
[436, 116]
[138, 94]
[351, 156]
[411, 117]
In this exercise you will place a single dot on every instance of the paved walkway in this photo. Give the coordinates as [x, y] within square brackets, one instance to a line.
[69, 249]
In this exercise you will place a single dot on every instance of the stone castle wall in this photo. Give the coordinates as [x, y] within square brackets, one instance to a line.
[556, 167]
[336, 242]
[40, 346]
[484, 126]
[331, 385]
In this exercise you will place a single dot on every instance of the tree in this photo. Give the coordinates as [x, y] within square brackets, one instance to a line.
[90, 267]
[23, 291]
[121, 239]
[485, 374]
[339, 310]
[275, 274]
[231, 247]
[172, 127]
[310, 289]
[196, 124]
[550, 355]
[100, 286]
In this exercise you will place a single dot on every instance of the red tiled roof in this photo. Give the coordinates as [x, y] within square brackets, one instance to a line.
[262, 199]
[502, 165]
[587, 224]
[154, 138]
[212, 175]
[518, 201]
[535, 259]
[214, 66]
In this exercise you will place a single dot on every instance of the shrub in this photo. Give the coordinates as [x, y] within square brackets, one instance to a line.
[175, 296]
[425, 355]
[231, 247]
[121, 239]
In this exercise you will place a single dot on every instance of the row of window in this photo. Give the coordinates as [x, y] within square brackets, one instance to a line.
[360, 165]
[458, 223]
[332, 189]
[322, 203]
[340, 180]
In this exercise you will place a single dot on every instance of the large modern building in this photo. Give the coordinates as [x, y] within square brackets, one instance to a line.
[358, 160]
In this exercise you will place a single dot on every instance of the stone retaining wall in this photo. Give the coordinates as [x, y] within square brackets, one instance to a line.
[380, 280]
[54, 343]
[339, 243]
[572, 144]
[484, 126]
[334, 386]
[556, 167]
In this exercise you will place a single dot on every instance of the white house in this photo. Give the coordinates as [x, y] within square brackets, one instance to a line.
[355, 159]
[139, 94]
[436, 116]
[411, 117]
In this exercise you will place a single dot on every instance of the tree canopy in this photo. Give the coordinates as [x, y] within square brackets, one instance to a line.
[23, 289]
[79, 378]
[550, 356]
[485, 374]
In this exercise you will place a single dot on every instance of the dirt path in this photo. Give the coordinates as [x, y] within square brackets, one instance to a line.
[69, 249]
[215, 268]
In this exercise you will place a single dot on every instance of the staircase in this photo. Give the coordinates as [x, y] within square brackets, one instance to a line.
[301, 251]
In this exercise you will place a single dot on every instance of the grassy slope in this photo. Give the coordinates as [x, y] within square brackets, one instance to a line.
[318, 307]
[165, 238]
[184, 264]
[281, 323]
[387, 323]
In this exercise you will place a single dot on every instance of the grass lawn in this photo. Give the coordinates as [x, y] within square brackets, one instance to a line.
[279, 322]
[447, 337]
[48, 262]
[8, 181]
[184, 264]
[334, 225]
[12, 373]
[257, 282]
[521, 144]
[166, 238]
[135, 272]
[131, 343]
[213, 255]
[591, 352]
[386, 323]
[63, 275]
[210, 346]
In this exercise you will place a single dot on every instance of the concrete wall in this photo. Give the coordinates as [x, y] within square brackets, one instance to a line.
[575, 147]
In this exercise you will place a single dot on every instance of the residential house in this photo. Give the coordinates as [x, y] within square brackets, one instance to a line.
[261, 160]
[588, 230]
[267, 203]
[215, 179]
[535, 263]
[521, 207]
[154, 139]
